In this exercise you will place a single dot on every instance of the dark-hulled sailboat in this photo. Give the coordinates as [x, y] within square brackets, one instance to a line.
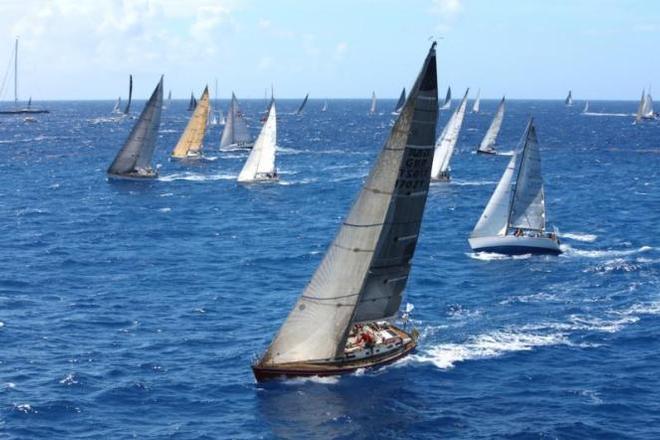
[133, 162]
[127, 110]
[302, 105]
[343, 320]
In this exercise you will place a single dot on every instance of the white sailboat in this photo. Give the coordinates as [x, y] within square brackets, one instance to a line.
[444, 147]
[585, 110]
[260, 164]
[446, 104]
[325, 106]
[476, 106]
[133, 161]
[372, 109]
[235, 133]
[487, 145]
[514, 219]
[569, 99]
[645, 109]
[344, 319]
[117, 108]
[191, 143]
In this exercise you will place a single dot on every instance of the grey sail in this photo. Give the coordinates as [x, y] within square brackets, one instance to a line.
[569, 99]
[364, 272]
[488, 142]
[236, 130]
[130, 95]
[527, 202]
[446, 104]
[138, 150]
[400, 102]
[372, 109]
[302, 106]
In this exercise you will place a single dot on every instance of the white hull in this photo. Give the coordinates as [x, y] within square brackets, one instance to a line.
[512, 245]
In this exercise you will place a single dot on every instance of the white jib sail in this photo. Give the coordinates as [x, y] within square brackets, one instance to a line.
[489, 140]
[261, 161]
[444, 148]
[493, 220]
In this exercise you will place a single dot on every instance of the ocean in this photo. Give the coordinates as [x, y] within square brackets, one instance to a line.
[134, 309]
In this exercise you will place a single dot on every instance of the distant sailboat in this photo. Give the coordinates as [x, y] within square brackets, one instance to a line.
[302, 106]
[343, 321]
[169, 100]
[192, 140]
[372, 109]
[487, 145]
[444, 147]
[133, 162]
[127, 110]
[325, 106]
[260, 164]
[446, 104]
[586, 107]
[514, 219]
[645, 109]
[569, 99]
[400, 102]
[117, 108]
[192, 103]
[17, 110]
[477, 102]
[235, 133]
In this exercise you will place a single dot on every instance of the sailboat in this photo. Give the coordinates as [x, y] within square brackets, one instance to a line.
[302, 106]
[444, 148]
[133, 162]
[235, 133]
[569, 99]
[260, 164]
[117, 108]
[586, 108]
[514, 219]
[192, 140]
[645, 109]
[17, 110]
[325, 106]
[477, 102]
[400, 102]
[127, 110]
[343, 321]
[192, 103]
[487, 145]
[446, 104]
[372, 109]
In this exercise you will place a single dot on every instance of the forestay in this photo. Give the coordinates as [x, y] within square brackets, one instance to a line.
[444, 148]
[365, 270]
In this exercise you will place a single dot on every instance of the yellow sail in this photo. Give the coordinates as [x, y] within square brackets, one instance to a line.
[192, 138]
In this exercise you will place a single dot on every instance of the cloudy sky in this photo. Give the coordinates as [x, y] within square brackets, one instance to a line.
[85, 49]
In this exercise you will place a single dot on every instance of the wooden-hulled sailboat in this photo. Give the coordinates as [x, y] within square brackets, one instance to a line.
[133, 162]
[127, 110]
[514, 219]
[372, 109]
[446, 104]
[235, 133]
[487, 145]
[260, 164]
[192, 103]
[343, 320]
[192, 140]
[400, 102]
[476, 106]
[18, 110]
[569, 99]
[302, 105]
[645, 109]
[444, 147]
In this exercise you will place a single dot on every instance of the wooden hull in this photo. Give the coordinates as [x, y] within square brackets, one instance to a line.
[309, 369]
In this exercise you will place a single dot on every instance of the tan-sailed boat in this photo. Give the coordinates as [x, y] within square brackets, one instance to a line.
[192, 140]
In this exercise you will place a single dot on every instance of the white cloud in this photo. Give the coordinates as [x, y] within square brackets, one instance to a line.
[447, 11]
[340, 50]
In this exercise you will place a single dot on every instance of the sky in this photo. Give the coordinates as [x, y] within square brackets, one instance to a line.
[85, 49]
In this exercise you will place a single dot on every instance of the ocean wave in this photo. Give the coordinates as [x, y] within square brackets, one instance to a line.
[492, 256]
[578, 236]
[296, 182]
[196, 177]
[473, 182]
[327, 380]
[571, 251]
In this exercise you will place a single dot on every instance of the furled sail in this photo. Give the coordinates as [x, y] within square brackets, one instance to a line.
[260, 164]
[136, 154]
[400, 102]
[235, 131]
[302, 106]
[372, 109]
[569, 99]
[192, 139]
[493, 220]
[130, 95]
[444, 148]
[446, 104]
[477, 102]
[488, 142]
[365, 270]
[527, 202]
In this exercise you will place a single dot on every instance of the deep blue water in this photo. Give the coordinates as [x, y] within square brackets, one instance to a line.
[135, 309]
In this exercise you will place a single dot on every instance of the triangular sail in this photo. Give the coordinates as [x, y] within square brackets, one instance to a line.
[569, 99]
[302, 106]
[444, 148]
[493, 220]
[366, 268]
[130, 95]
[192, 139]
[400, 102]
[29, 103]
[640, 109]
[527, 202]
[117, 108]
[372, 109]
[235, 131]
[488, 142]
[325, 106]
[261, 161]
[586, 107]
[477, 102]
[446, 104]
[138, 149]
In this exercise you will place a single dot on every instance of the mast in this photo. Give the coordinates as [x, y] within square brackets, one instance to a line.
[16, 72]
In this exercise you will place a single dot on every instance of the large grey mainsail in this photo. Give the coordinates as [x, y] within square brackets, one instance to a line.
[488, 142]
[365, 270]
[302, 106]
[235, 131]
[527, 202]
[130, 95]
[138, 150]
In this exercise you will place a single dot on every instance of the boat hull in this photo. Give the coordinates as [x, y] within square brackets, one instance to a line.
[23, 112]
[512, 245]
[133, 177]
